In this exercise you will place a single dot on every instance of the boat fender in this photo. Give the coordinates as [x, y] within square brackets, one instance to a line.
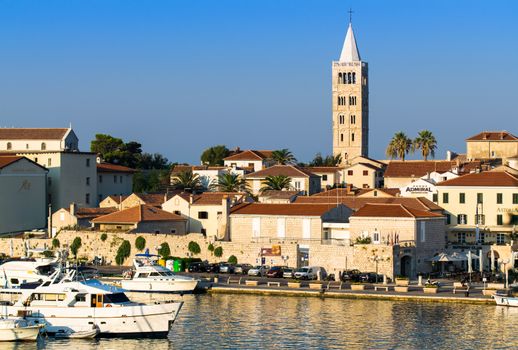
[108, 305]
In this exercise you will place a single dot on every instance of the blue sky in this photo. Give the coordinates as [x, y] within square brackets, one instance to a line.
[179, 76]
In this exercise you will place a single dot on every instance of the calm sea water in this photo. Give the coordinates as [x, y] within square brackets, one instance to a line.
[271, 322]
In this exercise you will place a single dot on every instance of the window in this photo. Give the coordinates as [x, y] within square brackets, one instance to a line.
[177, 212]
[354, 78]
[353, 119]
[87, 181]
[461, 237]
[435, 197]
[365, 173]
[376, 237]
[422, 231]
[203, 215]
[100, 179]
[62, 216]
[480, 198]
[352, 100]
[87, 198]
[499, 219]
[448, 219]
[26, 146]
[462, 198]
[324, 177]
[43, 146]
[203, 231]
[445, 198]
[482, 237]
[9, 145]
[35, 159]
[49, 181]
[514, 219]
[462, 219]
[480, 219]
[173, 230]
[297, 185]
[350, 172]
[49, 162]
[342, 119]
[341, 100]
[499, 198]
[341, 137]
[500, 238]
[352, 137]
[114, 179]
[515, 198]
[88, 162]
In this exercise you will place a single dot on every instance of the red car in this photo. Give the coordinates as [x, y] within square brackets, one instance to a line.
[275, 272]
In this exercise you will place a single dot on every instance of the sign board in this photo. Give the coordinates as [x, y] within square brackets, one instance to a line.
[275, 250]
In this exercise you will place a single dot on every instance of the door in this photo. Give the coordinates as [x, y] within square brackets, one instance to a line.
[306, 229]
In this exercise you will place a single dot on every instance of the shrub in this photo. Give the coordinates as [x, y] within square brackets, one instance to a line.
[194, 248]
[140, 243]
[210, 248]
[48, 254]
[365, 240]
[164, 250]
[55, 243]
[218, 252]
[232, 259]
[74, 247]
[104, 237]
[123, 252]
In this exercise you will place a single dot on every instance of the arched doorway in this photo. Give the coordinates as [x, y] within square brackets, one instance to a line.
[406, 266]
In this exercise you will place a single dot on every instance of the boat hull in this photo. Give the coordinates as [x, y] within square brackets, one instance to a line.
[137, 320]
[20, 334]
[506, 301]
[166, 286]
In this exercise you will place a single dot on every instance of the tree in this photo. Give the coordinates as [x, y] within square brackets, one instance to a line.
[104, 237]
[232, 259]
[218, 252]
[55, 243]
[426, 142]
[140, 243]
[187, 180]
[74, 247]
[123, 252]
[106, 146]
[228, 182]
[194, 248]
[210, 248]
[283, 157]
[326, 161]
[276, 183]
[164, 250]
[399, 146]
[214, 155]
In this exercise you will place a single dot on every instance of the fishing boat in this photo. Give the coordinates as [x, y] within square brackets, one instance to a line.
[17, 329]
[149, 276]
[70, 305]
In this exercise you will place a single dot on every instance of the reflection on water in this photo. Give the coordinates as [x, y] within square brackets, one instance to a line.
[251, 322]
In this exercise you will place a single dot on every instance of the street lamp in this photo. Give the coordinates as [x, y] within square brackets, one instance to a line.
[376, 258]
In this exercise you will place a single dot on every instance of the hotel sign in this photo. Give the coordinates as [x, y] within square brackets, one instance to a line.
[419, 189]
[275, 250]
[507, 210]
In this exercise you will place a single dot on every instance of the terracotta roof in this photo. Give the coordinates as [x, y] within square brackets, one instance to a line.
[393, 211]
[336, 192]
[416, 169]
[323, 169]
[117, 199]
[367, 165]
[87, 213]
[281, 209]
[493, 136]
[113, 168]
[8, 160]
[32, 133]
[154, 199]
[485, 178]
[356, 203]
[279, 194]
[140, 213]
[285, 170]
[390, 191]
[210, 198]
[250, 155]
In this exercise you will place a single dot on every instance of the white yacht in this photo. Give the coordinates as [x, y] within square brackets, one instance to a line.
[68, 305]
[148, 276]
[15, 272]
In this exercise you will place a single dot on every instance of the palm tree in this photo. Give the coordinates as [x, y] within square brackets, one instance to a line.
[326, 161]
[399, 146]
[276, 183]
[426, 142]
[228, 182]
[283, 156]
[186, 180]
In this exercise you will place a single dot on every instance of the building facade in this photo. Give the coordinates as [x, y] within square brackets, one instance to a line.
[492, 145]
[113, 180]
[350, 104]
[37, 139]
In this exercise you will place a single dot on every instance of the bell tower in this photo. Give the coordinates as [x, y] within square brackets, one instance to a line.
[350, 86]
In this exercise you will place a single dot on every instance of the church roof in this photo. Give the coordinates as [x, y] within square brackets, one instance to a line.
[350, 51]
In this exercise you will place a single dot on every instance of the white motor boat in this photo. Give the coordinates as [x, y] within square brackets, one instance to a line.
[17, 329]
[148, 276]
[15, 272]
[69, 306]
[502, 298]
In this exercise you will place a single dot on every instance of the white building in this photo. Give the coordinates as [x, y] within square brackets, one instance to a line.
[113, 180]
[253, 160]
[38, 139]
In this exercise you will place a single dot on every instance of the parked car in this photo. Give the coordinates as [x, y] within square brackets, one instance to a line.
[275, 272]
[226, 268]
[258, 270]
[242, 268]
[214, 268]
[311, 273]
[351, 275]
[288, 272]
[370, 277]
[198, 267]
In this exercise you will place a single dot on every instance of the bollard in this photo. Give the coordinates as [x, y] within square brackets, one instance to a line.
[384, 279]
[216, 279]
[420, 280]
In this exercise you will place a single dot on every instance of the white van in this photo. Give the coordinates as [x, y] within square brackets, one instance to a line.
[311, 273]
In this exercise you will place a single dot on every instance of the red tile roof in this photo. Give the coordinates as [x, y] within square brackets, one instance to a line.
[155, 199]
[393, 211]
[210, 198]
[113, 168]
[32, 133]
[250, 155]
[140, 213]
[336, 192]
[8, 160]
[88, 213]
[282, 209]
[117, 199]
[356, 203]
[285, 170]
[484, 179]
[323, 169]
[493, 136]
[279, 194]
[390, 191]
[412, 168]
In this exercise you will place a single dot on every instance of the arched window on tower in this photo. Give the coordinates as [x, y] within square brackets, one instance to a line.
[349, 80]
[340, 78]
[341, 137]
[353, 119]
[354, 78]
[352, 137]
[43, 146]
[9, 145]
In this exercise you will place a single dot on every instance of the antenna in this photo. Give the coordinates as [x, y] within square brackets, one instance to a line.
[350, 15]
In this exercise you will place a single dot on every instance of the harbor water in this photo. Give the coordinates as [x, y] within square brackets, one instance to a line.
[272, 322]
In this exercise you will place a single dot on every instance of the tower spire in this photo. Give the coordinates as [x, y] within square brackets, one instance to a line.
[350, 51]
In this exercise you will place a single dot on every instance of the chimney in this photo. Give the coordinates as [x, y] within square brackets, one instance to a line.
[191, 199]
[73, 209]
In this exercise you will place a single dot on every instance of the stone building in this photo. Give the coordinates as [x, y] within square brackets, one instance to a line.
[114, 180]
[112, 202]
[141, 219]
[77, 217]
[350, 104]
[152, 199]
[363, 175]
[252, 160]
[492, 145]
[329, 175]
[302, 180]
[22, 194]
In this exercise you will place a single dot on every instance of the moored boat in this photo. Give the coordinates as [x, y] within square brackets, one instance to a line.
[18, 329]
[503, 298]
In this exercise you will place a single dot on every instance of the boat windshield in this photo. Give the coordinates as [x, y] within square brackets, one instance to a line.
[115, 298]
